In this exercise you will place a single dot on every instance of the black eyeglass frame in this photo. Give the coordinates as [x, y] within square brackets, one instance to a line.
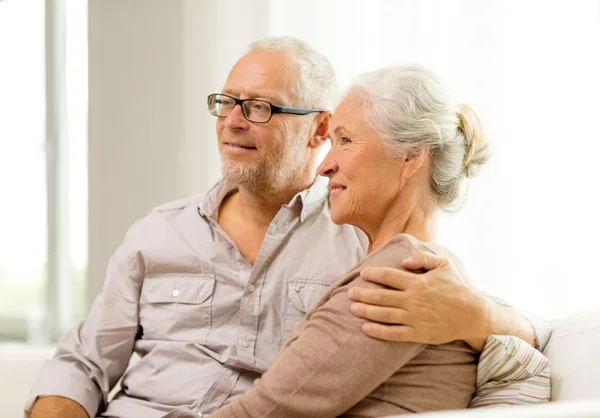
[274, 108]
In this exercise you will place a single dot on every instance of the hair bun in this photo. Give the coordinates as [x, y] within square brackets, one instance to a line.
[477, 148]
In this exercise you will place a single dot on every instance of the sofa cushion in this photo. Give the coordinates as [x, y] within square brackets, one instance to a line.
[19, 367]
[511, 372]
[573, 349]
[565, 409]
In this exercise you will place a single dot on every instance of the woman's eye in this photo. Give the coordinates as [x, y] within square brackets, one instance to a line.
[345, 140]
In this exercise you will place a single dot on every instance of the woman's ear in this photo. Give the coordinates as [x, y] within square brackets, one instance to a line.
[320, 129]
[414, 160]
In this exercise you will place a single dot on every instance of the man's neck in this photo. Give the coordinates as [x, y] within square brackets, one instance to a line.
[260, 207]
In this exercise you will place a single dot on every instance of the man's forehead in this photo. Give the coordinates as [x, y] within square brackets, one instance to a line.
[255, 93]
[262, 75]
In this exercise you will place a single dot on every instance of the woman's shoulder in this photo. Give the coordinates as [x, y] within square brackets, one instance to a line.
[393, 252]
[403, 241]
[456, 260]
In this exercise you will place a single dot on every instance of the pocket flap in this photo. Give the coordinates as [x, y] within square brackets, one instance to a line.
[188, 288]
[304, 293]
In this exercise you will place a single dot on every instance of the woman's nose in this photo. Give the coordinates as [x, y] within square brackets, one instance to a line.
[328, 167]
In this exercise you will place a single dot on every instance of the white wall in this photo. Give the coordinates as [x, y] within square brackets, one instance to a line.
[151, 65]
[530, 69]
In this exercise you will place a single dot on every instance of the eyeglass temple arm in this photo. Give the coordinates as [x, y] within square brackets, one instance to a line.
[293, 110]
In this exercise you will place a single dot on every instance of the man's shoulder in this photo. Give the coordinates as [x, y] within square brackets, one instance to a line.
[178, 204]
[159, 221]
[158, 214]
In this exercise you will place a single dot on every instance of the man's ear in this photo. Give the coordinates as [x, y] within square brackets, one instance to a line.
[414, 160]
[320, 129]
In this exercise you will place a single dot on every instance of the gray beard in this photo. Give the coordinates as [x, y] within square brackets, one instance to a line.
[272, 174]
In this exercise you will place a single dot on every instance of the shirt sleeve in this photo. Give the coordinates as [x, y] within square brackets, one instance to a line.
[541, 327]
[93, 355]
[326, 368]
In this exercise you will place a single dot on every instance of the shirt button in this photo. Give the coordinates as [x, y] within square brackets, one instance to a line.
[298, 287]
[245, 344]
[229, 373]
[251, 288]
[200, 414]
[175, 293]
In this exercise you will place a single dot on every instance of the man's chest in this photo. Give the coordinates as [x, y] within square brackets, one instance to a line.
[246, 239]
[199, 288]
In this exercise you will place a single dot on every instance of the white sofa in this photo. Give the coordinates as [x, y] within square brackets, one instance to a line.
[19, 365]
[574, 350]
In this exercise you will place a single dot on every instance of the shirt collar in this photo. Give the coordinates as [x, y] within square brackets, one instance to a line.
[313, 197]
[308, 199]
[211, 202]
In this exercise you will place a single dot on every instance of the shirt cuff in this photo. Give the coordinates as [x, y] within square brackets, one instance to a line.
[57, 378]
[541, 329]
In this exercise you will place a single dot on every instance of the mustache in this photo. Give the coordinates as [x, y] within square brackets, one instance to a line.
[238, 138]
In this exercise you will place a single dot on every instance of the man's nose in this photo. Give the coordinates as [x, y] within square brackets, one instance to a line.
[236, 120]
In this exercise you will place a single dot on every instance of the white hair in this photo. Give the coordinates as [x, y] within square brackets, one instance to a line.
[316, 86]
[411, 109]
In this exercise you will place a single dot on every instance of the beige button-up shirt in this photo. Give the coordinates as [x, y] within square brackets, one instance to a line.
[204, 321]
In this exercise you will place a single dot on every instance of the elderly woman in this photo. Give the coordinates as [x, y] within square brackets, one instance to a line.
[400, 149]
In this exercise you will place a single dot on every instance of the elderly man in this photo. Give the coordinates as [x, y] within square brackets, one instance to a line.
[206, 289]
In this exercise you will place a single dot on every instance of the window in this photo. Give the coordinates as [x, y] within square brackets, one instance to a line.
[22, 163]
[43, 167]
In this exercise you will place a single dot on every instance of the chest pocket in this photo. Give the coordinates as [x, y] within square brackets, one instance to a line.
[302, 295]
[177, 307]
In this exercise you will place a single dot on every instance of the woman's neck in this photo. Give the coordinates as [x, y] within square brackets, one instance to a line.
[415, 216]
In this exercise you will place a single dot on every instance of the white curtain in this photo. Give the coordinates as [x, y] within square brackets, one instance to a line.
[530, 231]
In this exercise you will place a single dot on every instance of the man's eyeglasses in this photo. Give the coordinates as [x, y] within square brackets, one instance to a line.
[254, 110]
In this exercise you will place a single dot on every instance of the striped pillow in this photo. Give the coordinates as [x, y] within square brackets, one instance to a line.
[511, 372]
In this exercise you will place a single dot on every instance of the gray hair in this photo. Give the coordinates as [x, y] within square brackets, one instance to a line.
[411, 108]
[316, 85]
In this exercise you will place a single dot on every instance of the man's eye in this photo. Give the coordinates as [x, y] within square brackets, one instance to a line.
[345, 140]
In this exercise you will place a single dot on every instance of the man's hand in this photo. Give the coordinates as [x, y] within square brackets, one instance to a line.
[434, 307]
[57, 407]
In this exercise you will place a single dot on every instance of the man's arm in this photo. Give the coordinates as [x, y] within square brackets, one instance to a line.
[92, 356]
[437, 307]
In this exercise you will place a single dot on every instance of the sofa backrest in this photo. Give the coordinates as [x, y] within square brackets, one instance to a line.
[574, 350]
